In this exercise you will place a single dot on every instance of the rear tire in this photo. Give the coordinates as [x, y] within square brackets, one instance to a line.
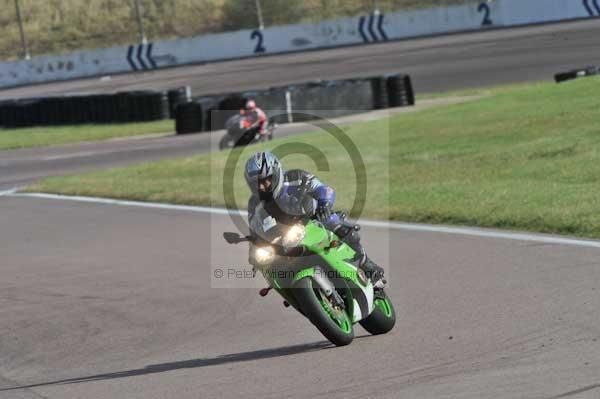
[335, 325]
[382, 319]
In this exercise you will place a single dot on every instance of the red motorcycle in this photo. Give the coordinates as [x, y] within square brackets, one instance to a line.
[241, 133]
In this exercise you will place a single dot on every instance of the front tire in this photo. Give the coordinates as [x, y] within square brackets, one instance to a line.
[383, 317]
[226, 142]
[333, 323]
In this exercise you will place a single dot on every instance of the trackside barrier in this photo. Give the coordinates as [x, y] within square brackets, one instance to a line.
[178, 96]
[363, 29]
[209, 112]
[189, 118]
[336, 98]
[137, 106]
[576, 73]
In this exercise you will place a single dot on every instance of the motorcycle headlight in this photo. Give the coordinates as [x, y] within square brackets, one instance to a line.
[264, 255]
[294, 236]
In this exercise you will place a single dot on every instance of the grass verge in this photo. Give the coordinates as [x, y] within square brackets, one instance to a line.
[522, 158]
[56, 135]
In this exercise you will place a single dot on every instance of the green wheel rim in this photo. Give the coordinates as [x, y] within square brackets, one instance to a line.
[339, 317]
[385, 306]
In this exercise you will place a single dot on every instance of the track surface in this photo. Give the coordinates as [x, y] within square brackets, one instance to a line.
[436, 64]
[103, 301]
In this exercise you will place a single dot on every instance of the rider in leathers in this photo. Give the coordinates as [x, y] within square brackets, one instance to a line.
[256, 118]
[275, 189]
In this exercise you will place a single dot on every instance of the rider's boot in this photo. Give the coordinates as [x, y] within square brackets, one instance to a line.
[374, 272]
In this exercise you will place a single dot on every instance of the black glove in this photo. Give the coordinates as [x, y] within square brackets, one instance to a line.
[323, 212]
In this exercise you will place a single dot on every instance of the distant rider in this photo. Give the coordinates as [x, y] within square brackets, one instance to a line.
[256, 119]
[273, 187]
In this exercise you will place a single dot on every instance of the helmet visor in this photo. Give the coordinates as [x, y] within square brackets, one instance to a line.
[265, 185]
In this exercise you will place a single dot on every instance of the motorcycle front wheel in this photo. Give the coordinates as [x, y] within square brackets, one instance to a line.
[333, 322]
[226, 142]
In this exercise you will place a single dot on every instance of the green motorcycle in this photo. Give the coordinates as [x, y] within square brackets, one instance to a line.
[317, 274]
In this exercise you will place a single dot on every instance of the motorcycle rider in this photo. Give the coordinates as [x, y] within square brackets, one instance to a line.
[274, 188]
[256, 117]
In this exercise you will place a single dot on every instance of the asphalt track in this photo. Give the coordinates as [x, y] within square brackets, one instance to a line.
[436, 64]
[104, 301]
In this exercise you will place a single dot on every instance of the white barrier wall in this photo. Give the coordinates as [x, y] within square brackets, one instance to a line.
[292, 38]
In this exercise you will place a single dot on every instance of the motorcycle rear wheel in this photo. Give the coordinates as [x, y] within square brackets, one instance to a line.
[383, 317]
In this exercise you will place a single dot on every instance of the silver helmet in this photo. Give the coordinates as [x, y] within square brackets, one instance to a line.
[264, 175]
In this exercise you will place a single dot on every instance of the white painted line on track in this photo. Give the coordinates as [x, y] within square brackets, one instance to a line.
[74, 155]
[472, 231]
[8, 192]
[139, 204]
[467, 231]
[100, 152]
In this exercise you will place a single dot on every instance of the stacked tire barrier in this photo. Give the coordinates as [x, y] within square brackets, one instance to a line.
[176, 97]
[400, 91]
[189, 118]
[380, 94]
[329, 98]
[576, 73]
[138, 106]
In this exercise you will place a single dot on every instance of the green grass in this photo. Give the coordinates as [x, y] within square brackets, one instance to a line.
[56, 135]
[525, 157]
[475, 91]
